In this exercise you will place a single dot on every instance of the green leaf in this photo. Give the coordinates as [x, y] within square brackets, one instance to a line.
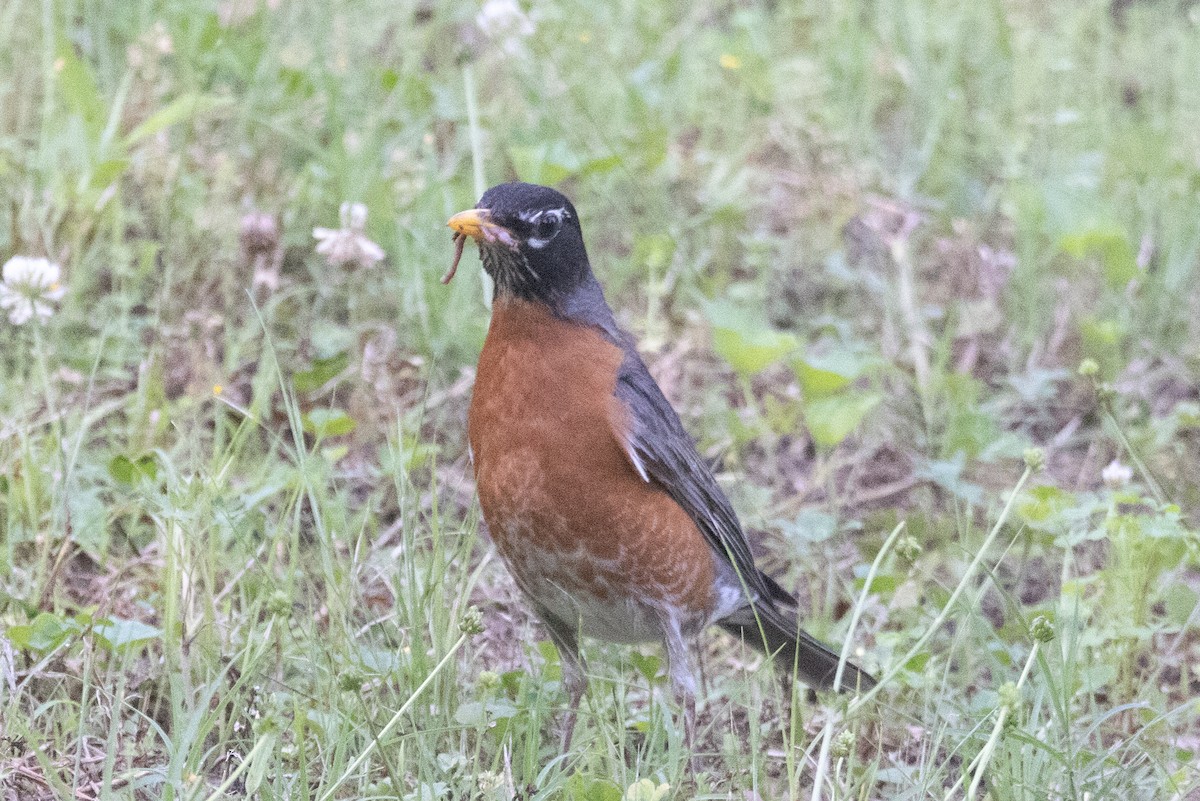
[478, 713]
[552, 162]
[117, 633]
[882, 584]
[917, 663]
[831, 420]
[655, 251]
[810, 526]
[384, 661]
[1110, 246]
[1104, 339]
[1096, 677]
[107, 172]
[646, 790]
[78, 85]
[948, 474]
[501, 709]
[751, 352]
[745, 343]
[131, 471]
[599, 165]
[89, 518]
[548, 652]
[410, 453]
[328, 423]
[585, 788]
[1042, 505]
[510, 682]
[45, 633]
[1179, 601]
[322, 372]
[264, 757]
[823, 374]
[179, 110]
[324, 722]
[1068, 196]
[331, 339]
[647, 665]
[782, 415]
[335, 454]
[818, 383]
[470, 714]
[968, 425]
[428, 791]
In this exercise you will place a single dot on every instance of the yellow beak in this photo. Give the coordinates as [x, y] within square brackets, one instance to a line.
[477, 224]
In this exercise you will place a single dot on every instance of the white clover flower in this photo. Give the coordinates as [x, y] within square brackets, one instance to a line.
[505, 22]
[348, 244]
[29, 288]
[1116, 475]
[489, 781]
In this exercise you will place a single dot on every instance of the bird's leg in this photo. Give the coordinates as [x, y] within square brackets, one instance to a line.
[683, 682]
[574, 672]
[689, 720]
[575, 683]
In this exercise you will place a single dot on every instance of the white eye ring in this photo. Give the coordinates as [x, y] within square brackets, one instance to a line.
[551, 230]
[545, 222]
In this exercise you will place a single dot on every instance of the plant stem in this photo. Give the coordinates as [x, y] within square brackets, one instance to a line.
[391, 724]
[945, 613]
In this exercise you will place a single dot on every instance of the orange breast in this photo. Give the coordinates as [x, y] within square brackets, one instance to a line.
[580, 530]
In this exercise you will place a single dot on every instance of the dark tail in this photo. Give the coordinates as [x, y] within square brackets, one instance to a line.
[798, 652]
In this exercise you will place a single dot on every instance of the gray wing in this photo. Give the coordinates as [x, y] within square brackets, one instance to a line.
[665, 455]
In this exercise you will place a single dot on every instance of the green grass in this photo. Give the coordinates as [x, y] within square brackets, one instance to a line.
[867, 247]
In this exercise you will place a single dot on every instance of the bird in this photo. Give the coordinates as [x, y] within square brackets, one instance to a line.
[600, 506]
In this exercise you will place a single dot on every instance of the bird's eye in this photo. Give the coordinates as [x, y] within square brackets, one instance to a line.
[545, 227]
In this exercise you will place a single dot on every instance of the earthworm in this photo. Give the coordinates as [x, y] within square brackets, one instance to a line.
[460, 241]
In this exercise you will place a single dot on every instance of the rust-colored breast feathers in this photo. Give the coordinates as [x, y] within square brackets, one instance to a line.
[562, 499]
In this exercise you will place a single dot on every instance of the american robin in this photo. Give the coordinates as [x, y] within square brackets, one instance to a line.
[607, 518]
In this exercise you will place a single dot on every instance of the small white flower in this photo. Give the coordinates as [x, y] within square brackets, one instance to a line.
[489, 781]
[504, 21]
[348, 244]
[1116, 475]
[29, 287]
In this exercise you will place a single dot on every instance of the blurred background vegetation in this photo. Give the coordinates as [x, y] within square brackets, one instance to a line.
[873, 252]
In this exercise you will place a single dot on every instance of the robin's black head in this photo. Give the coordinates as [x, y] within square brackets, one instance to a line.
[529, 241]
